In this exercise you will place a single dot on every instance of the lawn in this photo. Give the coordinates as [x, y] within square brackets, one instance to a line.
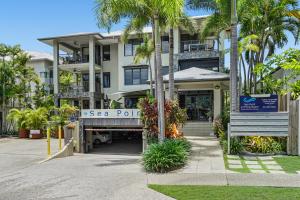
[245, 169]
[290, 164]
[227, 192]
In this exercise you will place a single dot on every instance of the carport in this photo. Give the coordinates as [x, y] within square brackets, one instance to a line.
[115, 121]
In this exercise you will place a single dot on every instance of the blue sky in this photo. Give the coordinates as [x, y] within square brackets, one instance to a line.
[22, 22]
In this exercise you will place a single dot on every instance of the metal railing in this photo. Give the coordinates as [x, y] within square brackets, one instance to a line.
[71, 59]
[197, 45]
[73, 92]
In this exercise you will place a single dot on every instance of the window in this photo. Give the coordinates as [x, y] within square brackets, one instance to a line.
[106, 79]
[130, 47]
[106, 52]
[165, 44]
[165, 70]
[43, 74]
[136, 75]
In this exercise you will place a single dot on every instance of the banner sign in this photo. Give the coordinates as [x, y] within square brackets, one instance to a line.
[110, 113]
[259, 103]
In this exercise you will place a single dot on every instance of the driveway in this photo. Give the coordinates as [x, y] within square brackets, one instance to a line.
[106, 175]
[16, 154]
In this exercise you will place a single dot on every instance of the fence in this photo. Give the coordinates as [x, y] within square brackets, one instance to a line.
[293, 147]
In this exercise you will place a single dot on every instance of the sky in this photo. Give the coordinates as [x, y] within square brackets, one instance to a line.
[23, 22]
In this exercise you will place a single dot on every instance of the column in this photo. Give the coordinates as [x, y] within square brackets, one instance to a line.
[56, 72]
[92, 72]
[217, 100]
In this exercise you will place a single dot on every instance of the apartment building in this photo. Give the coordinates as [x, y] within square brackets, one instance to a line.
[104, 70]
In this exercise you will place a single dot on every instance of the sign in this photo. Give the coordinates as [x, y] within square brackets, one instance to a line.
[110, 113]
[259, 103]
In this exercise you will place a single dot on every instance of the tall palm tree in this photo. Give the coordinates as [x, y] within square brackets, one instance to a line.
[155, 12]
[145, 51]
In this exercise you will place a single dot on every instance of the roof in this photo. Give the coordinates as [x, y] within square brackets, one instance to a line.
[120, 32]
[195, 74]
[96, 34]
[35, 55]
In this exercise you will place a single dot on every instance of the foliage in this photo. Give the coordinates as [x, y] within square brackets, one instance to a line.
[115, 104]
[259, 144]
[168, 155]
[63, 114]
[37, 119]
[236, 145]
[290, 164]
[174, 116]
[66, 79]
[42, 98]
[19, 117]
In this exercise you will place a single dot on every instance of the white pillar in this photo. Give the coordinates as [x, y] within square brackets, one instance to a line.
[217, 100]
[55, 67]
[92, 72]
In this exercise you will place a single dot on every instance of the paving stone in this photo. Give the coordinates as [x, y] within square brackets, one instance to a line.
[233, 157]
[234, 162]
[266, 158]
[277, 172]
[251, 162]
[250, 157]
[276, 167]
[258, 171]
[235, 166]
[269, 162]
[254, 166]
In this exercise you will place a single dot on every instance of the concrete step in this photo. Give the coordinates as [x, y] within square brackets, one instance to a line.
[197, 129]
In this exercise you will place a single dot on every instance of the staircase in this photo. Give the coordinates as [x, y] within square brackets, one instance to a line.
[197, 129]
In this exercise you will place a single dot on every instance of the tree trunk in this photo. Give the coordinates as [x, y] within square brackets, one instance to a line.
[171, 64]
[151, 79]
[155, 65]
[160, 95]
[245, 75]
[233, 60]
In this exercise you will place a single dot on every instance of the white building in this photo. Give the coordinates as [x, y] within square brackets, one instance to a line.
[103, 66]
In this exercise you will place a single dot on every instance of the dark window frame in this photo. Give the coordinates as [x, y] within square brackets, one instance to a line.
[132, 43]
[106, 52]
[165, 39]
[140, 68]
[106, 74]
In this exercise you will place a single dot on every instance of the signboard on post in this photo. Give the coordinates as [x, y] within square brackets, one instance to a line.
[110, 113]
[259, 103]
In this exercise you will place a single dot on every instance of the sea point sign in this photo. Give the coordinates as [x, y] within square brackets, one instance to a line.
[259, 103]
[110, 113]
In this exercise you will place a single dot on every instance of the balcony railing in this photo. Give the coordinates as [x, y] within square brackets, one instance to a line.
[197, 45]
[73, 92]
[71, 59]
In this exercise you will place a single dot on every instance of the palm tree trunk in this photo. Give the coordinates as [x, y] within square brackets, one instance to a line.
[171, 64]
[155, 65]
[151, 79]
[160, 96]
[245, 75]
[233, 59]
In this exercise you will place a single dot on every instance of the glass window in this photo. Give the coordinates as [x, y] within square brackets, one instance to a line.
[43, 74]
[165, 44]
[136, 75]
[165, 70]
[130, 47]
[106, 52]
[128, 50]
[106, 79]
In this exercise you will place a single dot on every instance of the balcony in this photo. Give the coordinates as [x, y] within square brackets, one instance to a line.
[197, 45]
[73, 92]
[66, 59]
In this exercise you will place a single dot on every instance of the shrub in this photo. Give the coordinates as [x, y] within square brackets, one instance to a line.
[184, 143]
[236, 146]
[166, 156]
[259, 144]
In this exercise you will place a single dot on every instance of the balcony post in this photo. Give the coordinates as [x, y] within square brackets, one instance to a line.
[56, 71]
[92, 72]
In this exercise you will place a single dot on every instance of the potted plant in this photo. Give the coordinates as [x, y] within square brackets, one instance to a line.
[19, 117]
[62, 117]
[36, 121]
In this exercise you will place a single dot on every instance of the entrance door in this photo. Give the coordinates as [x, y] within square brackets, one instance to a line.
[198, 104]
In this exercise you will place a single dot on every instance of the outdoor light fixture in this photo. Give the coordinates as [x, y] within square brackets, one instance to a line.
[217, 87]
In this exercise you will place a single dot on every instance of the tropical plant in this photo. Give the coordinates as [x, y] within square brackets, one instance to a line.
[144, 51]
[37, 119]
[63, 114]
[166, 156]
[19, 117]
[259, 144]
[236, 146]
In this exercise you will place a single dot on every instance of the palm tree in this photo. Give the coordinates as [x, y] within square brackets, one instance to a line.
[144, 51]
[141, 13]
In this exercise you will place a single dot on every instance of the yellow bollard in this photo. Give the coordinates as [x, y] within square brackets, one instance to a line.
[48, 142]
[59, 137]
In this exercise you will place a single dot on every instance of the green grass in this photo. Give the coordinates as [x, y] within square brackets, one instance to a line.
[245, 169]
[227, 192]
[290, 164]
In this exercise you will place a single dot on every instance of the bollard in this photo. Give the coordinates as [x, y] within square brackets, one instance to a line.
[48, 142]
[59, 137]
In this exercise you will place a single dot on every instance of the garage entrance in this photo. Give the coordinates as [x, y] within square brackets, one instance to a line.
[109, 131]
